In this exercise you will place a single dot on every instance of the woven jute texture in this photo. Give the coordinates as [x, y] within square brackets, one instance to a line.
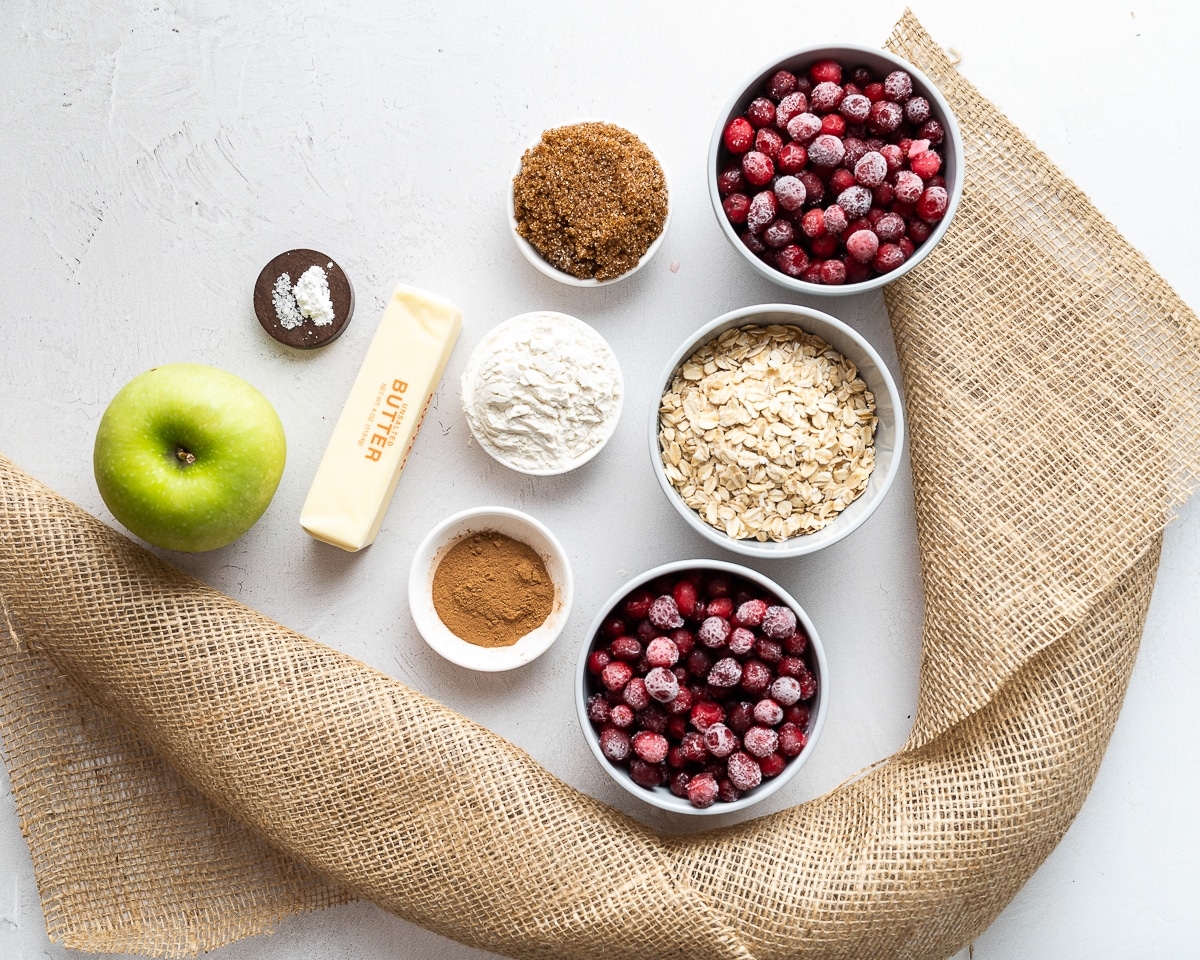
[188, 771]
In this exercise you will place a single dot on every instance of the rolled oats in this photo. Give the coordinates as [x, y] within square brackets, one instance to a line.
[768, 432]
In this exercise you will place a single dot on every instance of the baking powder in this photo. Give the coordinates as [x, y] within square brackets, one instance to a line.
[542, 390]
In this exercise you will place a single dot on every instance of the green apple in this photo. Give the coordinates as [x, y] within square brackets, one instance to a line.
[188, 456]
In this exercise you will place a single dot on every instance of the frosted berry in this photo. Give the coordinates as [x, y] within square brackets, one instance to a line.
[598, 710]
[825, 97]
[932, 205]
[616, 675]
[768, 650]
[833, 272]
[897, 86]
[862, 246]
[683, 700]
[888, 257]
[908, 186]
[720, 740]
[812, 224]
[662, 684]
[873, 91]
[778, 622]
[785, 690]
[781, 84]
[872, 169]
[932, 131]
[739, 135]
[808, 686]
[803, 127]
[702, 790]
[741, 641]
[790, 193]
[744, 771]
[884, 117]
[756, 676]
[654, 718]
[760, 113]
[826, 151]
[651, 747]
[790, 106]
[856, 201]
[825, 71]
[814, 185]
[890, 227]
[726, 672]
[772, 765]
[768, 142]
[706, 713]
[598, 660]
[614, 744]
[916, 110]
[721, 605]
[758, 741]
[792, 158]
[726, 791]
[758, 167]
[714, 632]
[791, 667]
[621, 715]
[636, 695]
[855, 108]
[792, 740]
[835, 220]
[763, 209]
[768, 713]
[832, 124]
[792, 260]
[625, 648]
[779, 234]
[692, 746]
[678, 784]
[662, 652]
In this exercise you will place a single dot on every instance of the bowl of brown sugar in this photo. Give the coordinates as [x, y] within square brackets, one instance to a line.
[490, 588]
[588, 204]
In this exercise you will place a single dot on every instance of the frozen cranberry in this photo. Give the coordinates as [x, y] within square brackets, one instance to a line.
[772, 765]
[741, 716]
[791, 667]
[699, 662]
[812, 224]
[833, 272]
[683, 699]
[792, 740]
[856, 201]
[897, 86]
[926, 164]
[758, 741]
[731, 180]
[825, 97]
[778, 234]
[908, 186]
[739, 135]
[616, 675]
[651, 747]
[918, 230]
[778, 621]
[637, 605]
[841, 179]
[760, 113]
[884, 195]
[702, 790]
[598, 660]
[662, 652]
[813, 273]
[813, 185]
[625, 648]
[614, 744]
[825, 71]
[720, 740]
[741, 641]
[820, 248]
[664, 613]
[834, 125]
[785, 690]
[621, 715]
[781, 84]
[790, 106]
[706, 713]
[932, 131]
[756, 676]
[598, 710]
[758, 167]
[720, 606]
[871, 170]
[890, 227]
[645, 773]
[684, 594]
[863, 246]
[790, 192]
[726, 673]
[916, 110]
[873, 92]
[684, 640]
[678, 784]
[855, 108]
[726, 791]
[932, 205]
[792, 158]
[661, 684]
[888, 257]
[636, 695]
[855, 149]
[691, 745]
[792, 260]
[893, 155]
[714, 632]
[808, 686]
[885, 117]
[873, 216]
[803, 127]
[907, 246]
[744, 771]
[936, 181]
[763, 209]
[768, 713]
[795, 644]
[861, 75]
[856, 271]
[835, 220]
[826, 151]
[768, 142]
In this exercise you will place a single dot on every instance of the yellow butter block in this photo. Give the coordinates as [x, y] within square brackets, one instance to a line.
[379, 422]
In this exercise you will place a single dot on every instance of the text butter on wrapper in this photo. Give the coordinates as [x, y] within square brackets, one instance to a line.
[375, 432]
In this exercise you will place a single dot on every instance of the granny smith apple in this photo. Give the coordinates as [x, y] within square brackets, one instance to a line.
[188, 456]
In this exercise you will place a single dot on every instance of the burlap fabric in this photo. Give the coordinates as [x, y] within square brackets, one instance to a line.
[188, 771]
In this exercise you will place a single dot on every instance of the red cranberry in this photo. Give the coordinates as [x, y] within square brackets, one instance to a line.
[825, 71]
[792, 740]
[678, 783]
[855, 151]
[813, 222]
[926, 164]
[825, 97]
[625, 648]
[835, 220]
[635, 694]
[888, 257]
[808, 686]
[598, 660]
[763, 209]
[758, 167]
[705, 714]
[768, 712]
[932, 205]
[778, 234]
[821, 247]
[621, 715]
[721, 605]
[907, 246]
[841, 179]
[932, 131]
[758, 741]
[833, 272]
[862, 246]
[662, 684]
[813, 186]
[792, 158]
[702, 790]
[791, 105]
[684, 595]
[739, 135]
[741, 717]
[662, 652]
[803, 127]
[916, 110]
[756, 676]
[908, 186]
[713, 632]
[855, 108]
[598, 709]
[720, 740]
[616, 675]
[785, 690]
[884, 118]
[796, 644]
[918, 230]
[726, 673]
[873, 92]
[890, 227]
[861, 75]
[884, 195]
[751, 612]
[897, 86]
[778, 622]
[651, 747]
[684, 640]
[772, 765]
[833, 124]
[791, 667]
[826, 151]
[893, 155]
[744, 771]
[856, 201]
[768, 142]
[731, 180]
[780, 85]
[699, 662]
[856, 271]
[614, 744]
[871, 170]
[790, 192]
[726, 791]
[644, 774]
[792, 260]
[760, 113]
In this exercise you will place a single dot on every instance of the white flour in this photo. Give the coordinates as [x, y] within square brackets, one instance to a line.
[541, 390]
[308, 300]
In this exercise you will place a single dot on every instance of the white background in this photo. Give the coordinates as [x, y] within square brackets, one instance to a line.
[155, 157]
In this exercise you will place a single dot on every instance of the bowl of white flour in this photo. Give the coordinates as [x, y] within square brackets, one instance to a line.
[542, 393]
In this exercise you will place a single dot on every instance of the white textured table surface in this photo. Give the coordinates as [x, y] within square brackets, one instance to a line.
[155, 157]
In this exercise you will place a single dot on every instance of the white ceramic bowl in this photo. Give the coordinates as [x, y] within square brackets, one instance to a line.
[530, 253]
[662, 797]
[485, 349]
[889, 434]
[849, 56]
[511, 523]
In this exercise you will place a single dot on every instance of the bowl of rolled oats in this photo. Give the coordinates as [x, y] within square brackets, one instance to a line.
[778, 431]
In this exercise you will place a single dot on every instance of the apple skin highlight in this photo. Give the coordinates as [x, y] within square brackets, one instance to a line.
[188, 456]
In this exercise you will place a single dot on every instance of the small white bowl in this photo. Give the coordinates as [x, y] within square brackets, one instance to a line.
[511, 523]
[662, 797]
[849, 55]
[889, 433]
[529, 251]
[485, 349]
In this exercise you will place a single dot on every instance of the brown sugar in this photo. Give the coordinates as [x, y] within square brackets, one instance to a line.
[591, 198]
[491, 590]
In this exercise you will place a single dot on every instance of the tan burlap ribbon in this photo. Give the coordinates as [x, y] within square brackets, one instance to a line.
[188, 771]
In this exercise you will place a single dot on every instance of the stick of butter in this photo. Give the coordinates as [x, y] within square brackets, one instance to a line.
[375, 432]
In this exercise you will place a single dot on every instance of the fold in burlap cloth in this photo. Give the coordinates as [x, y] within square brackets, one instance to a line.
[188, 771]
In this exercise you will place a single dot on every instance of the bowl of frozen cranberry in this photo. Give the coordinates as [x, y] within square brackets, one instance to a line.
[702, 687]
[836, 169]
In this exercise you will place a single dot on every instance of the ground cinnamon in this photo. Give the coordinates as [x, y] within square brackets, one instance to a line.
[491, 590]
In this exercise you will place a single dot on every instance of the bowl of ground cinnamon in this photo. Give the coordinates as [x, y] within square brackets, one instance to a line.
[490, 588]
[588, 203]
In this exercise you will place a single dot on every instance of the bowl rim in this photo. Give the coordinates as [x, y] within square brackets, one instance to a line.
[661, 797]
[438, 636]
[588, 454]
[955, 189]
[799, 545]
[530, 253]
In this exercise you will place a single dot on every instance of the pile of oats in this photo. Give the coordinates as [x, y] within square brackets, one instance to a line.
[768, 432]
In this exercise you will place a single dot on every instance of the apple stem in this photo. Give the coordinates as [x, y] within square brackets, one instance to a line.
[185, 455]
